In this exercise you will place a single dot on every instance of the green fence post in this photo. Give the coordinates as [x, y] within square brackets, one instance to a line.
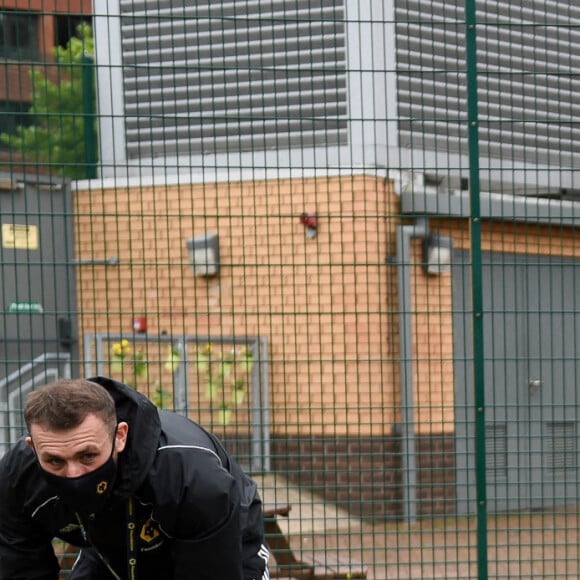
[89, 117]
[476, 287]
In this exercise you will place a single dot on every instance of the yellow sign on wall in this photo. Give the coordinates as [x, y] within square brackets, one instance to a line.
[19, 237]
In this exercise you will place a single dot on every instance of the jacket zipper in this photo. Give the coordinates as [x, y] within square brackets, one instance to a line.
[87, 539]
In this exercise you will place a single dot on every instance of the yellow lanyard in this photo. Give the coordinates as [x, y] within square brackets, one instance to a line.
[131, 540]
[131, 543]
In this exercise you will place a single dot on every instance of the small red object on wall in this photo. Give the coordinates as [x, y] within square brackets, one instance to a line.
[140, 324]
[310, 222]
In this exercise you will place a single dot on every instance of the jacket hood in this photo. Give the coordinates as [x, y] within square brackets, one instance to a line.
[143, 435]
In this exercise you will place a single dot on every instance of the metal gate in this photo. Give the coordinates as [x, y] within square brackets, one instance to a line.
[531, 316]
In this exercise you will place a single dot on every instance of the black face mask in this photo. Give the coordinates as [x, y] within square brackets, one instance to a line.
[86, 493]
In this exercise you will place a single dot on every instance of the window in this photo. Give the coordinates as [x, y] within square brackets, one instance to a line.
[13, 114]
[65, 27]
[18, 35]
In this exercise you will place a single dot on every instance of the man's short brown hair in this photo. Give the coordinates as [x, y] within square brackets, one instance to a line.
[65, 405]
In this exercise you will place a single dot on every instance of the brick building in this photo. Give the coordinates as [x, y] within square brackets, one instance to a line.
[29, 31]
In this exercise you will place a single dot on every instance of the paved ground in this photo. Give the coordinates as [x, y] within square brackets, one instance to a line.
[523, 546]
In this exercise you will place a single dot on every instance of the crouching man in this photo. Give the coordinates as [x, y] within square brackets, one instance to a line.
[146, 494]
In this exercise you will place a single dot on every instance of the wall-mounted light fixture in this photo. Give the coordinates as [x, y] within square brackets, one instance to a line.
[437, 253]
[204, 253]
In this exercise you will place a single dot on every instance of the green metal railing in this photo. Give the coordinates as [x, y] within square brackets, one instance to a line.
[476, 285]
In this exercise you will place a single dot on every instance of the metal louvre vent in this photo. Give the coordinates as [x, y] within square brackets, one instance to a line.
[562, 451]
[529, 76]
[496, 450]
[210, 77]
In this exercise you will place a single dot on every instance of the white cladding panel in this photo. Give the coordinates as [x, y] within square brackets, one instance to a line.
[217, 76]
[528, 66]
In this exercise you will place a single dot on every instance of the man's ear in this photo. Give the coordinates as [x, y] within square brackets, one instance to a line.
[29, 442]
[121, 436]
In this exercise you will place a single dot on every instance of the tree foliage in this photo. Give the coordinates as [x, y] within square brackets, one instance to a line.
[57, 136]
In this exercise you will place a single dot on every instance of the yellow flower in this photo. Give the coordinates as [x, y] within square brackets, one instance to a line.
[122, 349]
[125, 347]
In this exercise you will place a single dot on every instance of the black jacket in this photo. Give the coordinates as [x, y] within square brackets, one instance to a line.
[197, 515]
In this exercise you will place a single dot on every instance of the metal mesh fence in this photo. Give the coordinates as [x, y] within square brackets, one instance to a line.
[341, 234]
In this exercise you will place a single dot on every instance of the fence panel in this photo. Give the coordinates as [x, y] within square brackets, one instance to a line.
[342, 234]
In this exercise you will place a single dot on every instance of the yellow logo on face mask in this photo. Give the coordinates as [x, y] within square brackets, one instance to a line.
[102, 487]
[149, 531]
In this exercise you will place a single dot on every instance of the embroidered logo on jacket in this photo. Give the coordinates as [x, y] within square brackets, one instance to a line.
[149, 531]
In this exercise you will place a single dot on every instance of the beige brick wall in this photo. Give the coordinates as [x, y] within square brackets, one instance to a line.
[327, 306]
[324, 304]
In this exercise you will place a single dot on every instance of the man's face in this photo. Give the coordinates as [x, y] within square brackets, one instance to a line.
[77, 451]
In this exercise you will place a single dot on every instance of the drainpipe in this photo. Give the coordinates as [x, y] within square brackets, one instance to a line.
[419, 229]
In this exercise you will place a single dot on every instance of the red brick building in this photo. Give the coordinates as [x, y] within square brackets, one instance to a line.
[29, 30]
